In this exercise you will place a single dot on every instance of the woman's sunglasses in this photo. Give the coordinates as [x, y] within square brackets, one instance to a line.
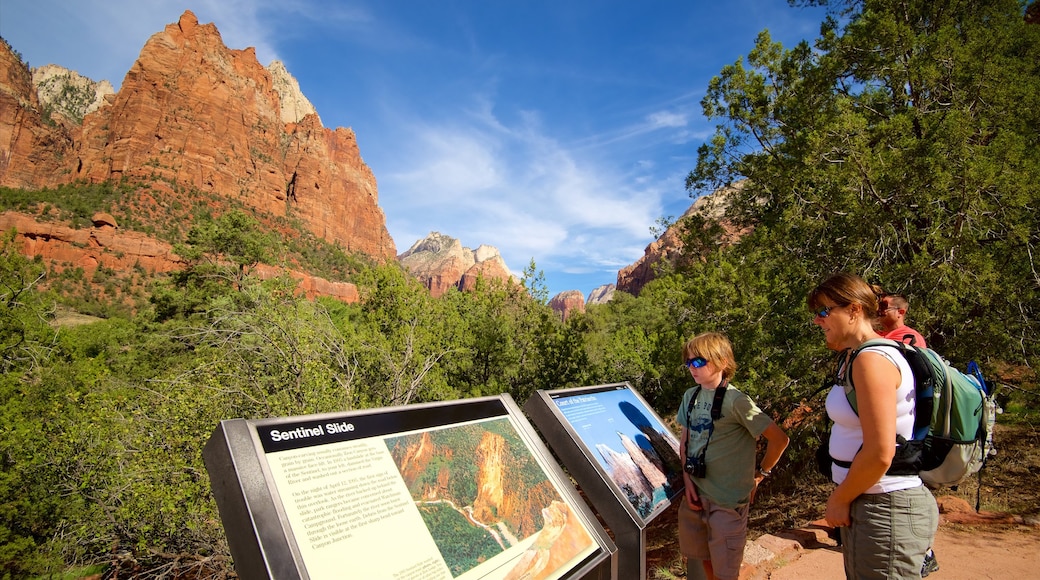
[696, 363]
[825, 312]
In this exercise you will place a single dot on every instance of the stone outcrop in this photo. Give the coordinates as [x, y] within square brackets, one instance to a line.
[105, 246]
[567, 303]
[601, 294]
[295, 105]
[312, 286]
[100, 246]
[667, 250]
[440, 262]
[68, 95]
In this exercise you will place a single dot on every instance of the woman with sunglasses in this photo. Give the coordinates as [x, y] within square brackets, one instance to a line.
[721, 426]
[886, 521]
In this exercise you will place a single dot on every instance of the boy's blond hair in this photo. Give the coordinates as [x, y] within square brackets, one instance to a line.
[715, 347]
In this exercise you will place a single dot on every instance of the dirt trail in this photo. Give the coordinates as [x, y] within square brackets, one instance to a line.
[963, 553]
[969, 545]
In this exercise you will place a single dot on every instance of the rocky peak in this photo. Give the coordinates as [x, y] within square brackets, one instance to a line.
[668, 249]
[209, 119]
[68, 94]
[192, 116]
[601, 294]
[568, 302]
[440, 262]
[295, 106]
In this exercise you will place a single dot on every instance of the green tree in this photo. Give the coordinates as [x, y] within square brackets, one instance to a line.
[397, 335]
[901, 146]
[534, 281]
[219, 254]
[27, 408]
[24, 333]
[229, 246]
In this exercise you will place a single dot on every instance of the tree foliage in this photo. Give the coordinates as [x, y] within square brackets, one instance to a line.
[901, 146]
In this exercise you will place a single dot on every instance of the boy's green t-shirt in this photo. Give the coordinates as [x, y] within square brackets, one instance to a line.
[730, 457]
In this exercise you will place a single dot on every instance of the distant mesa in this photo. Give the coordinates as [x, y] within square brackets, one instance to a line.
[566, 303]
[440, 262]
[601, 294]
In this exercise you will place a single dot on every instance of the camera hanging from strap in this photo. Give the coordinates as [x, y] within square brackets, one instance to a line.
[696, 466]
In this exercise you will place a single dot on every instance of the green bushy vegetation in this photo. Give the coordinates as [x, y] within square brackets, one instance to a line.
[900, 146]
[73, 203]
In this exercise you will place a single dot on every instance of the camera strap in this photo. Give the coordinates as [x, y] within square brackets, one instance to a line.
[716, 409]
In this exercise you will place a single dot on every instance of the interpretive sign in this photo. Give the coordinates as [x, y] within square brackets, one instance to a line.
[620, 453]
[461, 490]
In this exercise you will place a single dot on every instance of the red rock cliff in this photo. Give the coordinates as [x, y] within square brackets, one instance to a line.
[667, 250]
[193, 112]
[31, 152]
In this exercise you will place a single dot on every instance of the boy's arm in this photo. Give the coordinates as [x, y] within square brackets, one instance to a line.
[776, 444]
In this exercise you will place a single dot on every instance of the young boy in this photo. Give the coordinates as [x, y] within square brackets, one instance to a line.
[719, 455]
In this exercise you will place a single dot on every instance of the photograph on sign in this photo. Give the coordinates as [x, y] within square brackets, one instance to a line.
[632, 446]
[462, 501]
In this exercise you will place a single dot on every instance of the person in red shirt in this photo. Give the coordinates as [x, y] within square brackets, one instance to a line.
[892, 310]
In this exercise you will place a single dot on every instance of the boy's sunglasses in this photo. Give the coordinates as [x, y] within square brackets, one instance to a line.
[696, 363]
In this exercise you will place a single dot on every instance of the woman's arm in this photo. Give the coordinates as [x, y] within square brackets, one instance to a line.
[877, 382]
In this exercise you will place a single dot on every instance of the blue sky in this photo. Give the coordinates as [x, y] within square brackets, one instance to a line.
[555, 131]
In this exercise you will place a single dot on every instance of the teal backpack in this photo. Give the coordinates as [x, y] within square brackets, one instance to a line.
[955, 415]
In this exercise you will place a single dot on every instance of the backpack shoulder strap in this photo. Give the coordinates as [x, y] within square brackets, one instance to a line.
[922, 376]
[845, 371]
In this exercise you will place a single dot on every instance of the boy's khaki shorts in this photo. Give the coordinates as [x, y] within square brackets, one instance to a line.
[715, 533]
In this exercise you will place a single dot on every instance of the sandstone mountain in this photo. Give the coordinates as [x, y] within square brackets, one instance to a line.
[200, 118]
[194, 119]
[667, 250]
[440, 262]
[568, 302]
[31, 150]
[601, 294]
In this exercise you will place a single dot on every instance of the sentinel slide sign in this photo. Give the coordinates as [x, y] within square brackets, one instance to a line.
[460, 490]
